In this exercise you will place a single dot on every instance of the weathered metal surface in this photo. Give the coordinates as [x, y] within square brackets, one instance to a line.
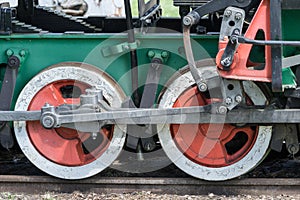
[190, 115]
[276, 51]
[182, 186]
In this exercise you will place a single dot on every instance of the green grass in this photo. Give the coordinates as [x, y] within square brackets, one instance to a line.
[168, 10]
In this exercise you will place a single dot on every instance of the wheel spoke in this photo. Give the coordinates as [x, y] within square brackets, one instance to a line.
[57, 94]
[213, 151]
[55, 148]
[52, 95]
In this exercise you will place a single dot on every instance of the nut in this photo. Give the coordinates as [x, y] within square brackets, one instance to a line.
[228, 100]
[48, 122]
[238, 98]
[228, 13]
[222, 110]
[238, 16]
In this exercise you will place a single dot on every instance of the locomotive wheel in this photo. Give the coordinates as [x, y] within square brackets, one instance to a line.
[63, 152]
[212, 152]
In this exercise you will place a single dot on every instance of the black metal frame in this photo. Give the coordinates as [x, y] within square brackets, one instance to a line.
[6, 96]
[276, 51]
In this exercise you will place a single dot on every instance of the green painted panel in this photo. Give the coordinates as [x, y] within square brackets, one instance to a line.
[291, 30]
[49, 49]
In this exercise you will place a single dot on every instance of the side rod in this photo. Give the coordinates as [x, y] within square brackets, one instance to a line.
[191, 115]
[186, 115]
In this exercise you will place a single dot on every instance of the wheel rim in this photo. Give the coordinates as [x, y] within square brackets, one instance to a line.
[182, 143]
[63, 152]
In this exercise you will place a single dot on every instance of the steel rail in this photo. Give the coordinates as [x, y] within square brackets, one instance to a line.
[180, 186]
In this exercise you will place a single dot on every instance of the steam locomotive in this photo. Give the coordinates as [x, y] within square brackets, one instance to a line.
[212, 90]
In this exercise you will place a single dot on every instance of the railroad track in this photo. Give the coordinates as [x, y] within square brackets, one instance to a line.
[180, 186]
[166, 181]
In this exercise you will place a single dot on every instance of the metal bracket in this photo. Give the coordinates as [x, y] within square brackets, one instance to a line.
[233, 93]
[232, 26]
[233, 19]
[228, 55]
[120, 48]
[287, 133]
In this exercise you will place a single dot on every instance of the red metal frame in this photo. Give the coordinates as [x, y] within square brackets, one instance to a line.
[240, 68]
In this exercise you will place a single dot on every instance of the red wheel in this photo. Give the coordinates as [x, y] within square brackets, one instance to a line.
[211, 145]
[64, 152]
[211, 151]
[62, 145]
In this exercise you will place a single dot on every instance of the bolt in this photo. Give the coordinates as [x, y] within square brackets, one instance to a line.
[238, 98]
[228, 101]
[187, 20]
[14, 62]
[236, 31]
[48, 122]
[222, 110]
[226, 62]
[164, 54]
[238, 16]
[9, 52]
[181, 50]
[292, 148]
[228, 13]
[151, 54]
[202, 87]
[126, 47]
[22, 53]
